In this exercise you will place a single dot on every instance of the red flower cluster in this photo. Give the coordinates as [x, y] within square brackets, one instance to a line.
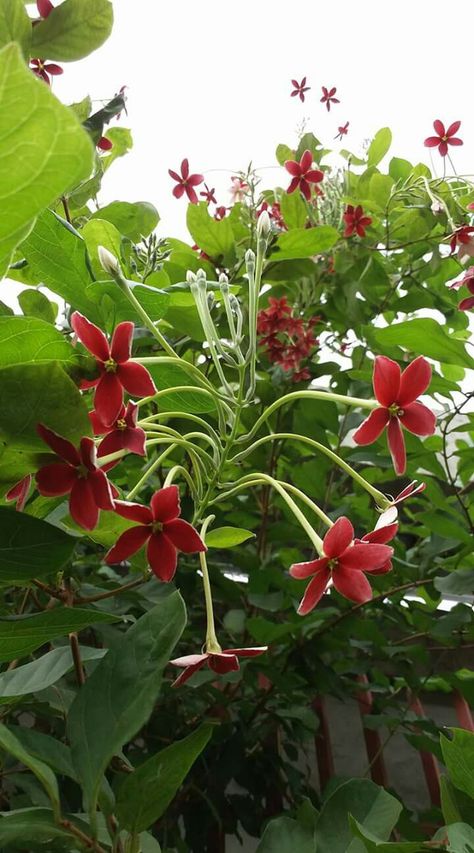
[328, 97]
[344, 561]
[355, 220]
[303, 174]
[300, 89]
[185, 182]
[444, 137]
[274, 212]
[289, 340]
[219, 662]
[397, 394]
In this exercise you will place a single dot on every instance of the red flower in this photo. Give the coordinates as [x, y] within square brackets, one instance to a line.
[468, 303]
[104, 144]
[161, 527]
[302, 375]
[117, 372]
[186, 182]
[444, 137]
[220, 212]
[208, 195]
[382, 534]
[356, 222]
[45, 69]
[461, 235]
[220, 662]
[328, 97]
[300, 89]
[19, 492]
[303, 174]
[274, 212]
[342, 130]
[123, 434]
[344, 561]
[409, 492]
[78, 476]
[397, 392]
[44, 7]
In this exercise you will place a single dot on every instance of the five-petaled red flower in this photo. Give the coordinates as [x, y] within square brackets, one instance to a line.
[342, 130]
[76, 475]
[45, 69]
[219, 662]
[208, 195]
[444, 137]
[186, 182]
[300, 89]
[397, 394]
[123, 434]
[356, 221]
[303, 175]
[117, 372]
[461, 236]
[328, 97]
[344, 561]
[163, 530]
[19, 492]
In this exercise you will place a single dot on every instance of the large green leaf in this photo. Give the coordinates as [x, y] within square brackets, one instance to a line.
[20, 635]
[40, 393]
[304, 242]
[172, 376]
[424, 336]
[42, 673]
[147, 792]
[119, 696]
[458, 755]
[372, 844]
[369, 804]
[33, 303]
[73, 30]
[43, 773]
[31, 826]
[379, 146]
[286, 835]
[27, 340]
[15, 24]
[214, 238]
[134, 220]
[293, 210]
[99, 232]
[30, 548]
[114, 306]
[53, 752]
[227, 537]
[43, 150]
[461, 838]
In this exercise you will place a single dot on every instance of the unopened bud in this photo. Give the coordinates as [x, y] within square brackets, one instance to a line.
[250, 260]
[190, 277]
[437, 208]
[108, 261]
[264, 225]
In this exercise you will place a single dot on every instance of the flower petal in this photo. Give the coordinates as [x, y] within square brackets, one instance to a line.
[396, 445]
[338, 537]
[306, 161]
[314, 592]
[372, 427]
[127, 544]
[439, 127]
[314, 176]
[121, 346]
[91, 336]
[223, 663]
[19, 492]
[452, 129]
[386, 380]
[188, 672]
[82, 504]
[352, 585]
[381, 535]
[431, 142]
[305, 570]
[190, 660]
[165, 504]
[293, 167]
[183, 536]
[55, 479]
[294, 184]
[246, 653]
[162, 556]
[98, 426]
[61, 446]
[414, 381]
[101, 489]
[134, 512]
[136, 380]
[108, 398]
[364, 557]
[418, 419]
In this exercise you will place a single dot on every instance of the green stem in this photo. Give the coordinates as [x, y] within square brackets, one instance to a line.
[191, 449]
[147, 321]
[212, 644]
[148, 473]
[179, 469]
[169, 431]
[185, 416]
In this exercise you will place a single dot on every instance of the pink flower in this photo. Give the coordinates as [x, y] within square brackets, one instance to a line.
[45, 70]
[341, 131]
[300, 89]
[238, 189]
[344, 562]
[219, 662]
[104, 144]
[122, 434]
[303, 175]
[76, 475]
[328, 97]
[356, 222]
[19, 492]
[117, 371]
[444, 137]
[461, 236]
[397, 394]
[208, 195]
[186, 182]
[160, 527]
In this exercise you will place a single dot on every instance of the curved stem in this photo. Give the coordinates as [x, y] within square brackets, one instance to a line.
[165, 430]
[184, 416]
[212, 644]
[179, 469]
[149, 471]
[191, 449]
[147, 321]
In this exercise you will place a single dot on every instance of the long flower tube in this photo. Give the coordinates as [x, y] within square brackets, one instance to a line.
[173, 473]
[199, 470]
[212, 644]
[166, 430]
[184, 416]
[152, 467]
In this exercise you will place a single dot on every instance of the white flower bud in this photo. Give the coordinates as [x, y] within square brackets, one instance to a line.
[264, 225]
[190, 277]
[108, 261]
[437, 208]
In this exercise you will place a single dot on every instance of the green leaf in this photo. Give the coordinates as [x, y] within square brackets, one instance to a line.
[460, 582]
[40, 393]
[33, 303]
[171, 376]
[214, 238]
[424, 336]
[99, 232]
[134, 220]
[118, 698]
[293, 210]
[122, 142]
[114, 306]
[43, 150]
[73, 30]
[27, 340]
[373, 844]
[53, 752]
[461, 838]
[15, 24]
[379, 146]
[20, 635]
[227, 537]
[42, 673]
[43, 773]
[370, 805]
[284, 152]
[458, 755]
[30, 547]
[305, 242]
[285, 835]
[146, 793]
[24, 826]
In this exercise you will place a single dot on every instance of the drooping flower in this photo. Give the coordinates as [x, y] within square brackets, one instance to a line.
[397, 394]
[45, 70]
[161, 528]
[300, 89]
[220, 662]
[186, 182]
[76, 475]
[461, 236]
[19, 492]
[344, 562]
[328, 97]
[342, 130]
[117, 371]
[104, 144]
[444, 137]
[303, 175]
[238, 189]
[356, 221]
[208, 195]
[122, 434]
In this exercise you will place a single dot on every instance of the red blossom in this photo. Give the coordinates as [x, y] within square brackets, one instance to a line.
[76, 475]
[300, 89]
[123, 434]
[186, 182]
[298, 337]
[342, 130]
[220, 212]
[274, 212]
[444, 137]
[468, 303]
[344, 561]
[19, 492]
[382, 534]
[356, 221]
[208, 195]
[461, 236]
[45, 70]
[303, 175]
[220, 662]
[117, 371]
[328, 97]
[44, 7]
[160, 527]
[104, 144]
[413, 488]
[397, 394]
